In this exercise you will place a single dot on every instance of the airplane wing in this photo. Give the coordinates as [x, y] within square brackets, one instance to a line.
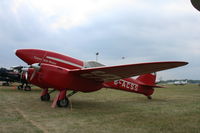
[111, 73]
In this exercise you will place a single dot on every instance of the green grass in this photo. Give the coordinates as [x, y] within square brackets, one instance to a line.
[175, 109]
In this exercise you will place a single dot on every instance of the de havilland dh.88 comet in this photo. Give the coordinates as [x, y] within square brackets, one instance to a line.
[63, 73]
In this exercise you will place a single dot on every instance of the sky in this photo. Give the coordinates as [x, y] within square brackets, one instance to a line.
[122, 31]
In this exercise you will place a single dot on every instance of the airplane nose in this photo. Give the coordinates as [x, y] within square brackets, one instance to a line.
[22, 54]
[27, 55]
[18, 52]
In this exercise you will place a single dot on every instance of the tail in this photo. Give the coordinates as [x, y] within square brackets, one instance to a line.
[148, 83]
[148, 80]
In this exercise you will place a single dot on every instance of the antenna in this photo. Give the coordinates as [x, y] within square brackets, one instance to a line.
[97, 56]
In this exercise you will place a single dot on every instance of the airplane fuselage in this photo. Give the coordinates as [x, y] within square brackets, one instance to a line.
[54, 73]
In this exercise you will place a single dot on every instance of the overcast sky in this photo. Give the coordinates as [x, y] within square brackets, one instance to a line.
[139, 30]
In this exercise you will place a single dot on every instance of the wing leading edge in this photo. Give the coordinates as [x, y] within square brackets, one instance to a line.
[110, 73]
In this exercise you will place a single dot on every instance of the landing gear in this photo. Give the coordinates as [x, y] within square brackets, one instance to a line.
[45, 94]
[61, 100]
[149, 97]
[25, 88]
[63, 103]
[45, 97]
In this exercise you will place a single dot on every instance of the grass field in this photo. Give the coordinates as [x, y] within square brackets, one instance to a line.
[175, 109]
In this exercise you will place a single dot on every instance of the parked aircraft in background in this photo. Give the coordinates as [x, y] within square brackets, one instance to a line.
[180, 82]
[8, 76]
[63, 73]
[196, 4]
[14, 75]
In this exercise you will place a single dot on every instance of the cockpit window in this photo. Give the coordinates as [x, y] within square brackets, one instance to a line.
[91, 64]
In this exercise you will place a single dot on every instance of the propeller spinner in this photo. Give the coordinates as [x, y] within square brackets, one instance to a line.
[36, 68]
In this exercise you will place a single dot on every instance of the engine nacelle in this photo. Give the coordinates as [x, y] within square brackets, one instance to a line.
[51, 76]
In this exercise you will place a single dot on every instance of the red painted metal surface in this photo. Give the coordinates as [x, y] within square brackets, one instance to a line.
[31, 56]
[133, 85]
[44, 92]
[66, 73]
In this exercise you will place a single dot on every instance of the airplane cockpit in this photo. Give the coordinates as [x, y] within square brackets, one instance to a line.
[90, 64]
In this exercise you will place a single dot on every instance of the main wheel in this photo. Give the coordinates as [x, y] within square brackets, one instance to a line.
[149, 97]
[45, 97]
[63, 103]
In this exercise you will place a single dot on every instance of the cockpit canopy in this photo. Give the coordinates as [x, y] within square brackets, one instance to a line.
[90, 64]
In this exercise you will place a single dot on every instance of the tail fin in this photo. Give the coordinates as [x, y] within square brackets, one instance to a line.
[148, 83]
[148, 80]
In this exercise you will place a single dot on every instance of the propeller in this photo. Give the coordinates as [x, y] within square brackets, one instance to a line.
[24, 71]
[35, 66]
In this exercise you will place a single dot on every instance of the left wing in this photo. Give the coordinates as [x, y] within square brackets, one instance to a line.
[110, 73]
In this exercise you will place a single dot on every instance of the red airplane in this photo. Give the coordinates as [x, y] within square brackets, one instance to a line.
[53, 70]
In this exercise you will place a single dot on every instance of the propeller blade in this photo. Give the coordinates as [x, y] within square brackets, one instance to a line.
[24, 71]
[36, 68]
[26, 75]
[33, 75]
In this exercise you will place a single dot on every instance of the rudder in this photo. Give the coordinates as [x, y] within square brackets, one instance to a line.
[147, 79]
